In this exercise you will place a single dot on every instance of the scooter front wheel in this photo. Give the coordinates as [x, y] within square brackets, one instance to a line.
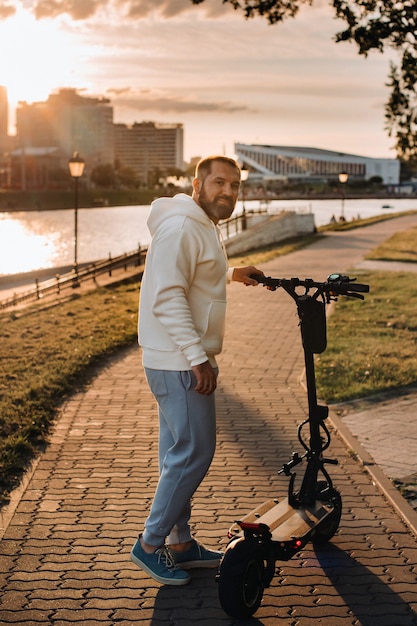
[241, 578]
[326, 529]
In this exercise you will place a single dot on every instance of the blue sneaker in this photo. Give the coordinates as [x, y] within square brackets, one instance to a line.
[159, 565]
[196, 556]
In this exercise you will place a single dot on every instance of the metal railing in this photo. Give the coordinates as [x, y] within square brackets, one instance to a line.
[239, 223]
[74, 279]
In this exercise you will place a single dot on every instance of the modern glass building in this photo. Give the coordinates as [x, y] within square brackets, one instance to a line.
[288, 163]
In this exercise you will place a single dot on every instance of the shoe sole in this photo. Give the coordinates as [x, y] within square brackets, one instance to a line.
[159, 579]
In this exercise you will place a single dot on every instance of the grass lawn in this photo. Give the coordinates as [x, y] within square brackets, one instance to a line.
[48, 352]
[372, 345]
[399, 247]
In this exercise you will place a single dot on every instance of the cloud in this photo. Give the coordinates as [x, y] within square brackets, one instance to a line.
[76, 9]
[81, 10]
[161, 104]
[166, 8]
[6, 10]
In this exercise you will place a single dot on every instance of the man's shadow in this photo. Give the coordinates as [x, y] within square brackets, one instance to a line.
[371, 601]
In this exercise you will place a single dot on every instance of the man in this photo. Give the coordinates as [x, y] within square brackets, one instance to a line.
[181, 328]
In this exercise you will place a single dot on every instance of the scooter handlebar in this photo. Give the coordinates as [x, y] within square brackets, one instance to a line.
[336, 284]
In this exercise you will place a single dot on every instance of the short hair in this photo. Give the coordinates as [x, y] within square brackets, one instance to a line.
[203, 168]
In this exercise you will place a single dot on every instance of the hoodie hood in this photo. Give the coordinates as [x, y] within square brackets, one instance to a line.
[180, 204]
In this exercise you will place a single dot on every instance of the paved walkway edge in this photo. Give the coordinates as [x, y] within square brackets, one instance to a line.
[400, 504]
[7, 511]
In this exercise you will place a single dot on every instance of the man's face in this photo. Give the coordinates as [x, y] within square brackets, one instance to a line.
[217, 194]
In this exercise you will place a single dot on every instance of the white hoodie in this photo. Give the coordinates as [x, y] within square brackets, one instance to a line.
[183, 293]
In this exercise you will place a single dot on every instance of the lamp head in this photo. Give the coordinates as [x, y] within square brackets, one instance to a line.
[244, 173]
[76, 165]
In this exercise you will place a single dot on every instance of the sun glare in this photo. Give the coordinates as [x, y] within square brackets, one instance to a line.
[38, 56]
[22, 250]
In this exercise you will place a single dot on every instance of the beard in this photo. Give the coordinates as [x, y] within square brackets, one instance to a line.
[219, 208]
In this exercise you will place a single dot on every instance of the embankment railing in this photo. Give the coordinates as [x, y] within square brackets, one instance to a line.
[65, 282]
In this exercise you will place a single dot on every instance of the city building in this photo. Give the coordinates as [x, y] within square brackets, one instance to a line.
[297, 164]
[6, 141]
[48, 133]
[70, 122]
[151, 149]
[4, 116]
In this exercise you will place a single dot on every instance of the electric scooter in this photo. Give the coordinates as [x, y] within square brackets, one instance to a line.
[279, 530]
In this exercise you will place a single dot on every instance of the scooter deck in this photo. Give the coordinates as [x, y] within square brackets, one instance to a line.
[285, 521]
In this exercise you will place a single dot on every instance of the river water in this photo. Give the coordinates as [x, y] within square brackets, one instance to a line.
[31, 240]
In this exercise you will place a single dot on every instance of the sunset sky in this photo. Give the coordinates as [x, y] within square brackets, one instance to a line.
[225, 78]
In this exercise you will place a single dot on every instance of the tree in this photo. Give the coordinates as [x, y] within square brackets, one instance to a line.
[372, 25]
[273, 10]
[127, 176]
[377, 24]
[103, 175]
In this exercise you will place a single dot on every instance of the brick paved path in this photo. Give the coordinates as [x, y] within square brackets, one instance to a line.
[65, 553]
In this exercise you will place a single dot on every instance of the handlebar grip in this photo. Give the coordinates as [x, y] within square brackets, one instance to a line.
[270, 282]
[259, 278]
[346, 287]
[359, 287]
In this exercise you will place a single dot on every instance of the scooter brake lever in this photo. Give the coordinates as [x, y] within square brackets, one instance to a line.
[352, 294]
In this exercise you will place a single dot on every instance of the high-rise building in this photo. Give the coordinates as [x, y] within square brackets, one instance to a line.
[5, 140]
[70, 122]
[149, 148]
[4, 117]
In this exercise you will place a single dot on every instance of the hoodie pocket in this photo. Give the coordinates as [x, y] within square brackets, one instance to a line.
[215, 326]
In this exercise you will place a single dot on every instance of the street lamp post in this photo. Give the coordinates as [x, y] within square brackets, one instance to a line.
[76, 167]
[343, 178]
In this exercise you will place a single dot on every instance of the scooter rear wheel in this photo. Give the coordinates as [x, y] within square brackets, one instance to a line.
[240, 578]
[325, 531]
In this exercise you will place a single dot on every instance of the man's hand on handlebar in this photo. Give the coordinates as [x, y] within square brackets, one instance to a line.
[247, 275]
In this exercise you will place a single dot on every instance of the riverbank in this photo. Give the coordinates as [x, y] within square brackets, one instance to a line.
[37, 200]
[13, 201]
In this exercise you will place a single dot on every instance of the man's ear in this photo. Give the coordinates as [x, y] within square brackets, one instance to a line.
[196, 185]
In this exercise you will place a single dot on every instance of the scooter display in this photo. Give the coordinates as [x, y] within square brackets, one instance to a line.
[277, 530]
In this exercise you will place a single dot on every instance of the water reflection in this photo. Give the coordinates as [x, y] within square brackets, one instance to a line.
[22, 250]
[31, 240]
[41, 239]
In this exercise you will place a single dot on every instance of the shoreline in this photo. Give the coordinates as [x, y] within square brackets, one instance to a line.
[25, 202]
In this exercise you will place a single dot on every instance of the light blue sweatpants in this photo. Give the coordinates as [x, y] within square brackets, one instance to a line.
[187, 441]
